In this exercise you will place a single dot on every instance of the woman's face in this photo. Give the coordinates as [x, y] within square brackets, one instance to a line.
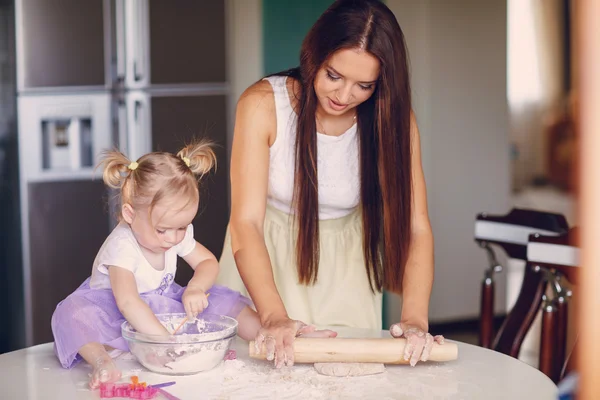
[347, 79]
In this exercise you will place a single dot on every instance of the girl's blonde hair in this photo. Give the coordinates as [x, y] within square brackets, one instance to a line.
[159, 175]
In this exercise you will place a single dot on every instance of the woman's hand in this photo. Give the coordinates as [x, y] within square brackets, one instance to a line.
[418, 342]
[278, 336]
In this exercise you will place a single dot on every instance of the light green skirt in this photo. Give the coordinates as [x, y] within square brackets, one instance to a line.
[340, 297]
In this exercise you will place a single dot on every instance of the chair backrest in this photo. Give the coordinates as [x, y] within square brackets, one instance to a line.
[560, 253]
[549, 260]
[511, 231]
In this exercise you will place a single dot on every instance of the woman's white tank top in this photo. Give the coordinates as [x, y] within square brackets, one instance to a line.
[337, 162]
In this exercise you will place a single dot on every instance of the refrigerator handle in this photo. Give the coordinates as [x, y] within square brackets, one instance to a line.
[136, 110]
[137, 39]
[141, 64]
[120, 29]
[122, 126]
[136, 75]
[139, 135]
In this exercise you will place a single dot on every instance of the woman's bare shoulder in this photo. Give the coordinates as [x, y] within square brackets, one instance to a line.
[258, 95]
[256, 112]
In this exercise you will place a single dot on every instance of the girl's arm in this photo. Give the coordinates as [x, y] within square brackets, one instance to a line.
[205, 266]
[206, 269]
[133, 308]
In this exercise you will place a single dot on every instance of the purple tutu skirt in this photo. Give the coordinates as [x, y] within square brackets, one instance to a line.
[91, 315]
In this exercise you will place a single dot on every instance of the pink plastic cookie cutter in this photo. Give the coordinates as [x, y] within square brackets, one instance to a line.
[134, 390]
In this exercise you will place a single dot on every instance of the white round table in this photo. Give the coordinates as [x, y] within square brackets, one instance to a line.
[34, 373]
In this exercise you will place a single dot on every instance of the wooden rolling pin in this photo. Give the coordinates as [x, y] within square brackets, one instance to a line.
[386, 351]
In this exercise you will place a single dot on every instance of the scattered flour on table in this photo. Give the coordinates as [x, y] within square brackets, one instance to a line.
[349, 369]
[236, 379]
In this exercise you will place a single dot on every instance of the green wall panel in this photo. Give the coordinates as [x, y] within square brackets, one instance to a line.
[285, 23]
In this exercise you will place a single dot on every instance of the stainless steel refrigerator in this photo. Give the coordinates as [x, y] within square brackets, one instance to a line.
[142, 75]
[11, 286]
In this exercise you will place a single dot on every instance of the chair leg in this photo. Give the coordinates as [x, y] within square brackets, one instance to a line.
[486, 321]
[547, 350]
[511, 334]
[571, 361]
[561, 338]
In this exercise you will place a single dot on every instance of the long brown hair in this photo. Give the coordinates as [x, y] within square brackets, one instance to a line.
[384, 140]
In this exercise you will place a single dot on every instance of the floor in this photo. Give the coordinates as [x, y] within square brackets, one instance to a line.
[466, 331]
[464, 336]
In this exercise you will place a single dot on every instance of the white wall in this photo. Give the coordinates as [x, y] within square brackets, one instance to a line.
[458, 57]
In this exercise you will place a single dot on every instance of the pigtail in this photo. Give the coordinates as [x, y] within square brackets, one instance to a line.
[116, 168]
[199, 157]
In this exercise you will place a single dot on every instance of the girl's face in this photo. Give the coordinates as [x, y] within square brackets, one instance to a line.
[346, 80]
[165, 227]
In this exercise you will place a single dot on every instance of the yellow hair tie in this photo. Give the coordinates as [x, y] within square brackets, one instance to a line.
[186, 161]
[133, 166]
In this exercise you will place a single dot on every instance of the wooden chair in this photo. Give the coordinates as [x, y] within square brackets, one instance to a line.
[556, 258]
[550, 260]
[511, 233]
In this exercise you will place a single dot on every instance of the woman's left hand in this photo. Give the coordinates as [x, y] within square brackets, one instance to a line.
[418, 342]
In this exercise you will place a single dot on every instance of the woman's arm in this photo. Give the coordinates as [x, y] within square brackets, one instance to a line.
[255, 129]
[418, 272]
[133, 308]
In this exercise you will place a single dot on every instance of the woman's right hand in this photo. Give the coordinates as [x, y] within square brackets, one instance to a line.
[278, 335]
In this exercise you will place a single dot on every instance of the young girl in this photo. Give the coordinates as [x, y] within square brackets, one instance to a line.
[132, 275]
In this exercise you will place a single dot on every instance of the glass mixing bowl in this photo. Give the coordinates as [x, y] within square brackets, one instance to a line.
[200, 345]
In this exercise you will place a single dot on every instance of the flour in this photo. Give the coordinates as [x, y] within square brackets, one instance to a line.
[198, 329]
[199, 345]
[237, 379]
[201, 361]
[181, 359]
[244, 378]
[195, 326]
[349, 369]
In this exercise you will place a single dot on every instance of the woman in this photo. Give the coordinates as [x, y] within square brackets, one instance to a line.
[328, 196]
